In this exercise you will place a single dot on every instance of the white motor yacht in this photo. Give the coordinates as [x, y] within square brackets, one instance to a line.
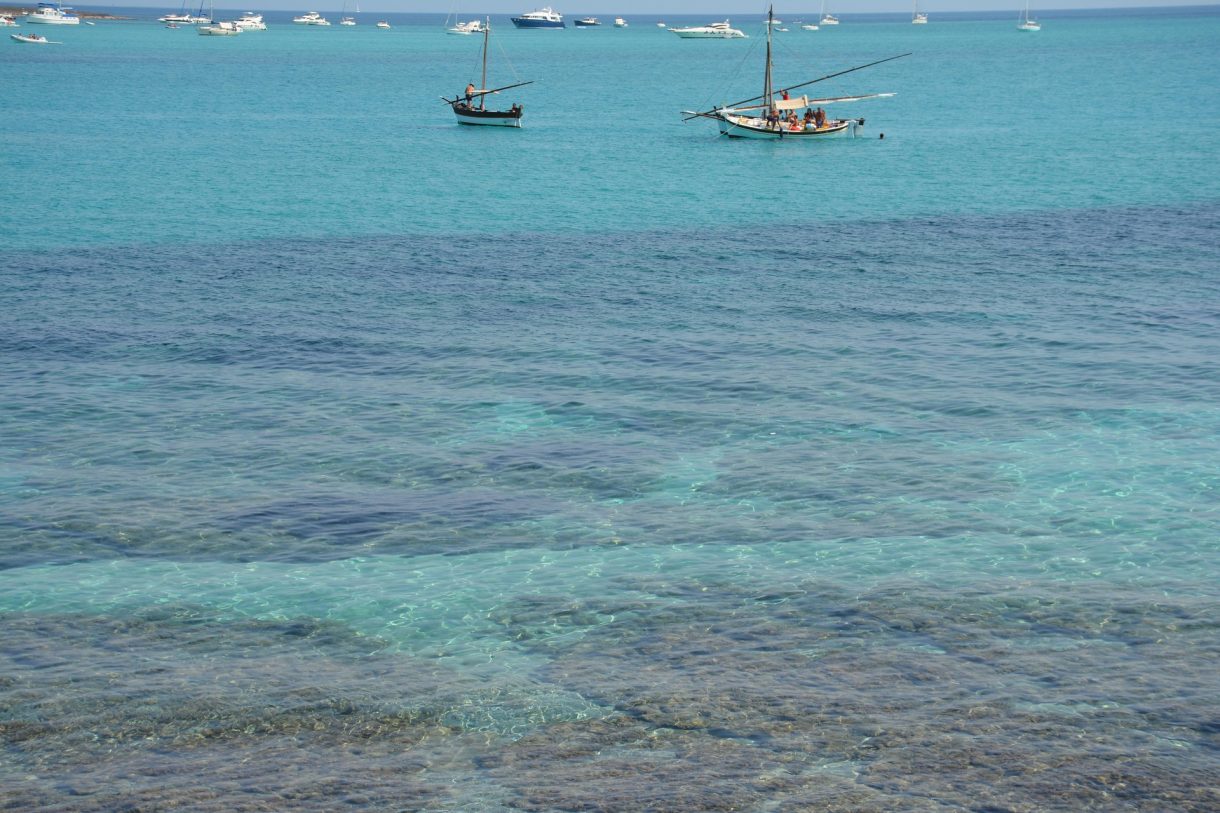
[619, 22]
[228, 28]
[52, 14]
[250, 22]
[312, 18]
[720, 31]
[383, 24]
[469, 27]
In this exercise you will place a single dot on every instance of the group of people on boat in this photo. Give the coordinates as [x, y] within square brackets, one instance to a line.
[813, 120]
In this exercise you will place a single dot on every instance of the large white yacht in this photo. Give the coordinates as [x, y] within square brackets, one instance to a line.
[52, 14]
[250, 22]
[312, 18]
[720, 31]
[546, 17]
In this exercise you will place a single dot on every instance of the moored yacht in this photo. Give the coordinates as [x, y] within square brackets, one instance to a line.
[250, 22]
[469, 27]
[720, 31]
[52, 14]
[545, 17]
[228, 28]
[587, 22]
[383, 24]
[312, 18]
[619, 22]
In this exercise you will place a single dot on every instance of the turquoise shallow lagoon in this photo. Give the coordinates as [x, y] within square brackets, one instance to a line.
[353, 459]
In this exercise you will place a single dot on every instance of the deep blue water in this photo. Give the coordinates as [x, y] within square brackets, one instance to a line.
[350, 459]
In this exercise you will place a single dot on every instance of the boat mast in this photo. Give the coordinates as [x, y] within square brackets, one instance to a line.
[483, 85]
[767, 100]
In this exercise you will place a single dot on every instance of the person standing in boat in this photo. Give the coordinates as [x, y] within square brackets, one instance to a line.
[469, 93]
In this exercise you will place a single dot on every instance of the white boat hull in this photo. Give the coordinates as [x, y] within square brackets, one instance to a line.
[744, 127]
[41, 20]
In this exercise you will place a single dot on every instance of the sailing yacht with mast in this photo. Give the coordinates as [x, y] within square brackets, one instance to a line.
[345, 20]
[1025, 22]
[828, 19]
[471, 107]
[917, 16]
[764, 119]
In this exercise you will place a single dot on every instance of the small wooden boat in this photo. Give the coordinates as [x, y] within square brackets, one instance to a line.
[471, 107]
[763, 117]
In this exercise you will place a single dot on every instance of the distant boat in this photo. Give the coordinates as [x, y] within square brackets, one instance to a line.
[1027, 23]
[33, 39]
[7, 22]
[222, 29]
[760, 117]
[587, 22]
[809, 27]
[471, 107]
[619, 22]
[382, 24]
[720, 31]
[917, 16]
[828, 19]
[345, 20]
[250, 22]
[52, 14]
[312, 18]
[471, 27]
[545, 17]
[660, 25]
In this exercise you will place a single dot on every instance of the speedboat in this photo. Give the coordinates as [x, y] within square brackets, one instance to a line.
[809, 27]
[546, 17]
[660, 25]
[312, 18]
[382, 24]
[32, 39]
[228, 28]
[250, 22]
[619, 22]
[52, 14]
[587, 22]
[720, 31]
[469, 27]
[7, 22]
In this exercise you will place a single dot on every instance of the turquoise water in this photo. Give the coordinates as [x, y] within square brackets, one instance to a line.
[353, 459]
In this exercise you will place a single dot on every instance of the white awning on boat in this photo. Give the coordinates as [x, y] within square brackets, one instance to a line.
[792, 104]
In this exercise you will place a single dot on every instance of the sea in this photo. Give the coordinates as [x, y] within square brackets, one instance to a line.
[352, 459]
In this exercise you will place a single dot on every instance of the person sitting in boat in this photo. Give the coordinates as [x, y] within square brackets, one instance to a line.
[809, 118]
[469, 93]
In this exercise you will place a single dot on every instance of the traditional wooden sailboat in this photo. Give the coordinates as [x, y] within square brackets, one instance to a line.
[471, 107]
[765, 120]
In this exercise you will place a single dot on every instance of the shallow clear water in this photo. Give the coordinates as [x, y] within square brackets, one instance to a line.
[352, 458]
